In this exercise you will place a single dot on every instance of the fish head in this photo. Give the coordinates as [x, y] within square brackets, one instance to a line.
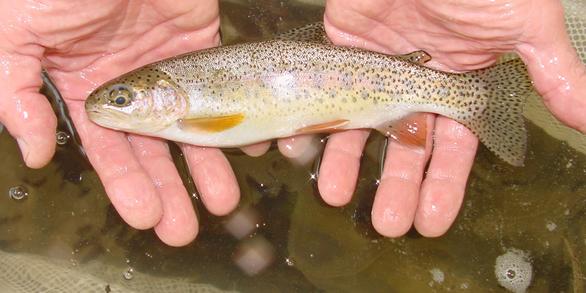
[143, 101]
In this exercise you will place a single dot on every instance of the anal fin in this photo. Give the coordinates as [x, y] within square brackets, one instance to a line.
[410, 130]
[211, 124]
[330, 126]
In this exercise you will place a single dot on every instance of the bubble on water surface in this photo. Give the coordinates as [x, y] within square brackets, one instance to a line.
[128, 274]
[18, 192]
[513, 270]
[62, 137]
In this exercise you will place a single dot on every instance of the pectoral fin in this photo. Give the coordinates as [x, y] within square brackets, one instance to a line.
[410, 130]
[323, 127]
[211, 124]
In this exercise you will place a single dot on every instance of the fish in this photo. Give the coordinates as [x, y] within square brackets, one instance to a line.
[301, 83]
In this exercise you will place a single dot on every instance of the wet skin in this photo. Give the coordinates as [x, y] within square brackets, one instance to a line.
[461, 36]
[82, 51]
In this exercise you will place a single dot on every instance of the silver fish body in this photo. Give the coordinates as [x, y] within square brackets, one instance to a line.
[241, 94]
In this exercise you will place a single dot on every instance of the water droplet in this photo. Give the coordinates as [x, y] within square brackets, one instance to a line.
[511, 274]
[289, 262]
[128, 274]
[313, 176]
[18, 192]
[62, 137]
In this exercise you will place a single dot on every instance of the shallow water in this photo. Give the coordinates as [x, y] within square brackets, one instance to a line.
[67, 217]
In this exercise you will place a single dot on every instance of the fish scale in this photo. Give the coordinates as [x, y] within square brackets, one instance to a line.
[300, 83]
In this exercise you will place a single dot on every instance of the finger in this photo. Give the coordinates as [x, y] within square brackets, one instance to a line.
[26, 113]
[443, 189]
[397, 195]
[178, 225]
[213, 178]
[339, 169]
[294, 146]
[127, 184]
[555, 68]
[256, 150]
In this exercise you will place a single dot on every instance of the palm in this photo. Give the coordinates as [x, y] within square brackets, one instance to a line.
[460, 36]
[84, 50]
[467, 35]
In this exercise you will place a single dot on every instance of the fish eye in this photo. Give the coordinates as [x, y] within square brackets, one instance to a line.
[120, 95]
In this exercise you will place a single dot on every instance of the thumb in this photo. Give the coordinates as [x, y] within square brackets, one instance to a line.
[26, 113]
[555, 68]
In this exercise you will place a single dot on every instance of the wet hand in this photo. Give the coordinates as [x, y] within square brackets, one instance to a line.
[83, 44]
[460, 36]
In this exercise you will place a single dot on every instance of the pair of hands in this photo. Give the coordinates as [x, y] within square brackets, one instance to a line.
[85, 43]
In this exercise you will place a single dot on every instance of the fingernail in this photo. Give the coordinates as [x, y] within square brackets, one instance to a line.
[23, 145]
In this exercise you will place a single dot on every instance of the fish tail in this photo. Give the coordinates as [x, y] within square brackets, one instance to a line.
[501, 126]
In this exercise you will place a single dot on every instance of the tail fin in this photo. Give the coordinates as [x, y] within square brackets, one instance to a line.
[501, 126]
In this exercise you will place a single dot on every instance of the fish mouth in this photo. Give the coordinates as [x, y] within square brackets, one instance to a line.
[93, 112]
[104, 118]
[93, 115]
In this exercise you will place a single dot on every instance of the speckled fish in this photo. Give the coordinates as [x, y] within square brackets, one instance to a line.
[300, 83]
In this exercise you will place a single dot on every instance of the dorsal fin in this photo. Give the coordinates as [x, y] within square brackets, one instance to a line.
[419, 57]
[313, 32]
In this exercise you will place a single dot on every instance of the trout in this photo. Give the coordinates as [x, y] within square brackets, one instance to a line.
[300, 83]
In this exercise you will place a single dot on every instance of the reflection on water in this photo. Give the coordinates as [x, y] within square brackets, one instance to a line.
[67, 229]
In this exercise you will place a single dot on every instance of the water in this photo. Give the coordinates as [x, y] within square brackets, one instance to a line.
[538, 209]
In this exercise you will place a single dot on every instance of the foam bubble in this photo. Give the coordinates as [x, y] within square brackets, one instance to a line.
[513, 270]
[437, 275]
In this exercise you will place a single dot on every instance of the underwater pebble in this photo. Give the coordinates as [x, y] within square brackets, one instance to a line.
[513, 270]
[550, 226]
[18, 192]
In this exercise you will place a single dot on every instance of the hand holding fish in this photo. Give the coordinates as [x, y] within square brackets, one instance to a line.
[82, 51]
[83, 44]
[460, 36]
